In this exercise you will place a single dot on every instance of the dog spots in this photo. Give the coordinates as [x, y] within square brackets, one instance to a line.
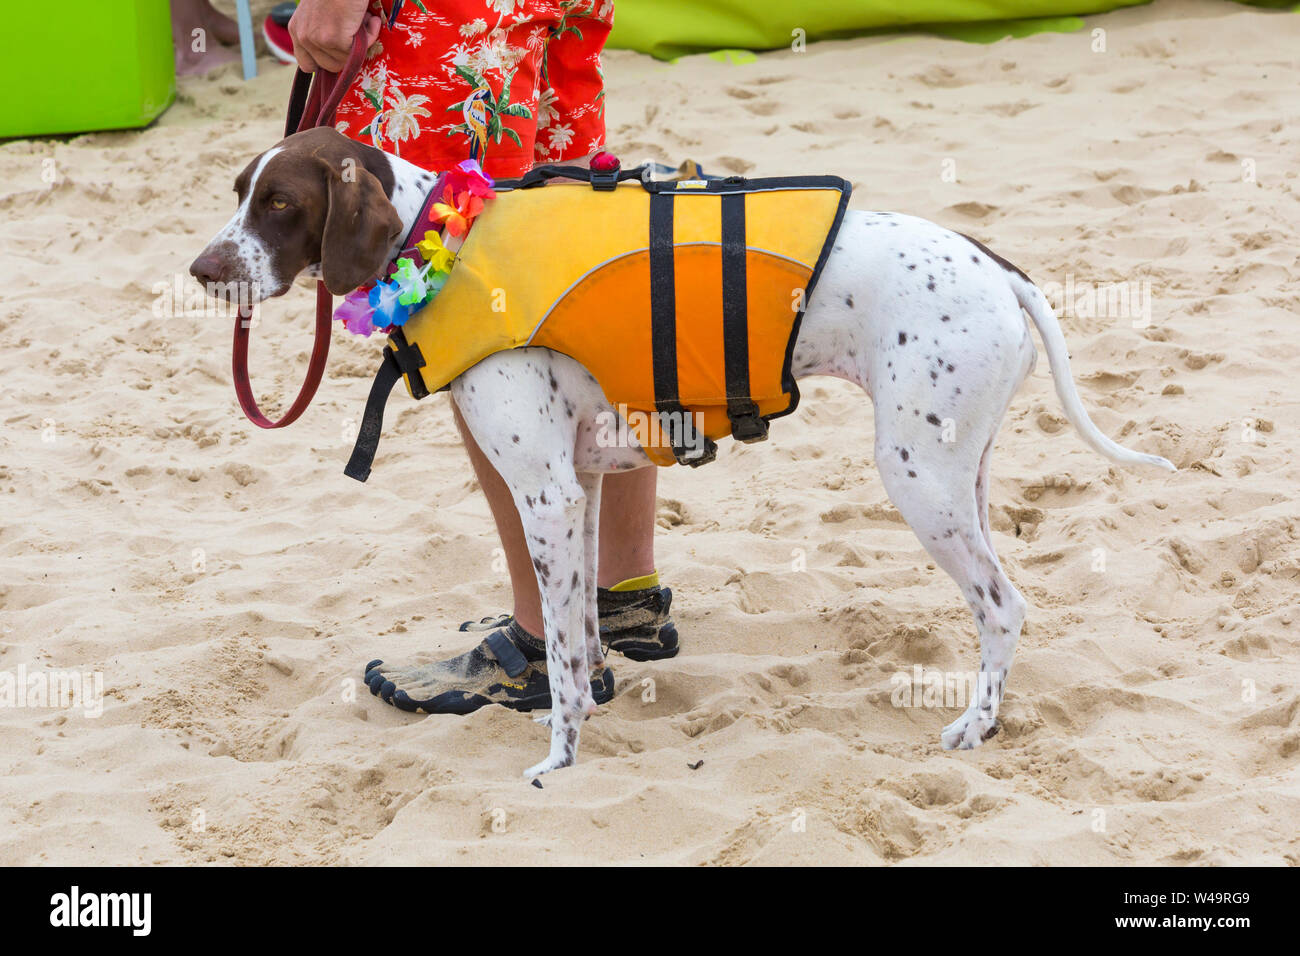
[911, 474]
[933, 419]
[902, 338]
[515, 439]
[979, 591]
[902, 453]
[930, 284]
[848, 300]
[945, 318]
[994, 593]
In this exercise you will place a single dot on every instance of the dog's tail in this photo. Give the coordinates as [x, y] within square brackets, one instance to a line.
[1035, 303]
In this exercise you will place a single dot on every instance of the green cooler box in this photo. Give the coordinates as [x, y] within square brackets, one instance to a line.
[107, 64]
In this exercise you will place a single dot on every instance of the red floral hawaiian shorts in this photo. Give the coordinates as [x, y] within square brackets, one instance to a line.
[513, 82]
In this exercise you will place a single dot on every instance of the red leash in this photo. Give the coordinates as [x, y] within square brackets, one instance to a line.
[311, 104]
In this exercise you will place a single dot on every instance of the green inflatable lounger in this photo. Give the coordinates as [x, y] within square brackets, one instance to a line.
[671, 28]
[91, 66]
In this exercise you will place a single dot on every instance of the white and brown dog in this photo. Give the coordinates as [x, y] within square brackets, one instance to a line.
[927, 321]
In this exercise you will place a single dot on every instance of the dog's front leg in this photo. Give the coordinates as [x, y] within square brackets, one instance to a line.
[553, 522]
[523, 407]
[591, 485]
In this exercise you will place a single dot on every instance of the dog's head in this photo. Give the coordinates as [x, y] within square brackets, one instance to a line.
[317, 202]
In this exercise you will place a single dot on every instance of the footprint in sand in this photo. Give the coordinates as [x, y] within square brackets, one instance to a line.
[1011, 109]
[1132, 195]
[973, 210]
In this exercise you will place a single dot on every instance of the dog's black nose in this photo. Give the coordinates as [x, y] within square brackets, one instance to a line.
[209, 269]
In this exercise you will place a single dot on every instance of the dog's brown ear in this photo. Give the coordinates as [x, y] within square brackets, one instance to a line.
[361, 226]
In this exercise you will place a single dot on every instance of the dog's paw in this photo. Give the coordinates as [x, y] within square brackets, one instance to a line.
[969, 730]
[547, 765]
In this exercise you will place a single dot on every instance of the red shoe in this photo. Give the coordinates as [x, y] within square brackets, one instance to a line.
[276, 32]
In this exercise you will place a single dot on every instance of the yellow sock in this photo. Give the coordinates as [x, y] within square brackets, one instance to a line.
[645, 581]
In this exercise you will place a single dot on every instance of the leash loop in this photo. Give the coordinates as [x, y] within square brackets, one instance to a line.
[312, 102]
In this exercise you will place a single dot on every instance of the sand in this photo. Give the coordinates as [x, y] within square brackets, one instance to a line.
[229, 584]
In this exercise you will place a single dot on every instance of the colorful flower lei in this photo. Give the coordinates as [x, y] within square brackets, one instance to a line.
[387, 304]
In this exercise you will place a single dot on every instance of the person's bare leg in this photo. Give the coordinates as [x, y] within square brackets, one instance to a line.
[627, 526]
[627, 530]
[225, 28]
[519, 564]
[191, 15]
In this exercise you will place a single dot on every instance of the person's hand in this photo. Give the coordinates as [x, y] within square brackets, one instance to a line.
[322, 32]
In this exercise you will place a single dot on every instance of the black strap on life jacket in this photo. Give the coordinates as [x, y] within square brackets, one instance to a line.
[675, 421]
[400, 358]
[746, 424]
[601, 181]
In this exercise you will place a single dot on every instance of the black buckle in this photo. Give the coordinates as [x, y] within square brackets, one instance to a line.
[746, 424]
[672, 422]
[697, 456]
[409, 360]
[606, 180]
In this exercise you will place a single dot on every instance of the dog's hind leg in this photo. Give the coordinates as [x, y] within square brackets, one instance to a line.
[934, 488]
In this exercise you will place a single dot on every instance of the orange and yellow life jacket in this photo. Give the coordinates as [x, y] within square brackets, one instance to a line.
[683, 300]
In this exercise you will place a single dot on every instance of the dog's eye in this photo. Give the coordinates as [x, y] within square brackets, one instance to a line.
[278, 204]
